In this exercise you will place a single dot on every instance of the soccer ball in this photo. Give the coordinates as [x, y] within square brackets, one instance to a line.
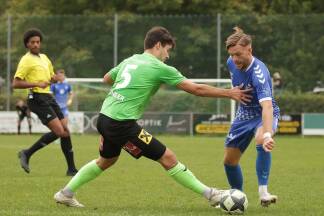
[233, 201]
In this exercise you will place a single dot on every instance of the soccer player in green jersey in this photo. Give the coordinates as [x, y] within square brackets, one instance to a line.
[133, 82]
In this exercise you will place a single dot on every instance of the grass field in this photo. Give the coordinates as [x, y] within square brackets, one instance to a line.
[142, 188]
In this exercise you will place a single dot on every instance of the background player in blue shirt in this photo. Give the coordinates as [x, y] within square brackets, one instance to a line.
[62, 92]
[257, 118]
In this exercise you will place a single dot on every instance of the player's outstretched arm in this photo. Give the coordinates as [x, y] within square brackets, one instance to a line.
[22, 84]
[236, 93]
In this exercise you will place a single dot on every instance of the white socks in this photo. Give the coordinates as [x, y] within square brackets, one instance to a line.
[263, 190]
[208, 193]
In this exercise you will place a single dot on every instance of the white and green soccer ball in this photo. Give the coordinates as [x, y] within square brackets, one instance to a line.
[233, 201]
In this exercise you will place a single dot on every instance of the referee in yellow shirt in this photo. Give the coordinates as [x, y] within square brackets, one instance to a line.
[35, 72]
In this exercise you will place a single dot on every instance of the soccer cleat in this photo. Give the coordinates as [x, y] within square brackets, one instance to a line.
[215, 197]
[268, 199]
[24, 160]
[59, 197]
[71, 172]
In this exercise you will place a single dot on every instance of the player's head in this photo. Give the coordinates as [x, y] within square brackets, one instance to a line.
[158, 41]
[60, 75]
[20, 102]
[239, 46]
[276, 76]
[32, 40]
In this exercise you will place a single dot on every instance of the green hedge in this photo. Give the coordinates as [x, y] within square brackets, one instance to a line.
[301, 103]
[288, 102]
[176, 101]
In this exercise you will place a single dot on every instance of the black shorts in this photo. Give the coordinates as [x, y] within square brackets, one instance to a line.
[45, 107]
[129, 136]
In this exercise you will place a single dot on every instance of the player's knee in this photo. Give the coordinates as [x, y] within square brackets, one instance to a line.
[168, 159]
[259, 140]
[66, 131]
[61, 133]
[232, 156]
[105, 163]
[259, 136]
[231, 161]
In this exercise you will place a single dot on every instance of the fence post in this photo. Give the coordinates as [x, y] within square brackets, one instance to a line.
[191, 123]
[115, 39]
[8, 61]
[218, 55]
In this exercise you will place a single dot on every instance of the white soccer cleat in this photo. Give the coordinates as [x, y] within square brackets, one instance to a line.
[215, 197]
[268, 199]
[68, 201]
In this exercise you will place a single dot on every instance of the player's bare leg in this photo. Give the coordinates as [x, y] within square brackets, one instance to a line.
[18, 126]
[29, 125]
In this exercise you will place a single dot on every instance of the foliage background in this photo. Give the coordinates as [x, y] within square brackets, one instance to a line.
[79, 35]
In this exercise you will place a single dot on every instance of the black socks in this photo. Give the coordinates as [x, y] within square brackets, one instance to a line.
[43, 141]
[66, 147]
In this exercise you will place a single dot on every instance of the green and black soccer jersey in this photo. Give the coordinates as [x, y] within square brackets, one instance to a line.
[137, 79]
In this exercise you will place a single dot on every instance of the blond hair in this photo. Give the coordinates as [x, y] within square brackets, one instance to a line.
[238, 37]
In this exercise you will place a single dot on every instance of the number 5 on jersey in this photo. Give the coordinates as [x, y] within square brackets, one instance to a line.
[126, 76]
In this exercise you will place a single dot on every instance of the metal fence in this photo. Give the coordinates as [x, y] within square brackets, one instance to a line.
[88, 46]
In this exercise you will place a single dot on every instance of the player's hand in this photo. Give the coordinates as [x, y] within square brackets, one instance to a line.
[42, 84]
[268, 144]
[69, 102]
[54, 78]
[241, 95]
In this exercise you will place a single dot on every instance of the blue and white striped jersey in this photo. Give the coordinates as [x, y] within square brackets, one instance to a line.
[61, 91]
[256, 76]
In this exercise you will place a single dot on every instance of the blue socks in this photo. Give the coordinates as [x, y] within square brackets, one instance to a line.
[234, 176]
[263, 165]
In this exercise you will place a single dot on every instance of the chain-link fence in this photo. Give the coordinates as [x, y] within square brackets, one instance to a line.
[88, 46]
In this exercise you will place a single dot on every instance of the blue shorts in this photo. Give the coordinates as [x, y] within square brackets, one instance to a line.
[65, 111]
[242, 132]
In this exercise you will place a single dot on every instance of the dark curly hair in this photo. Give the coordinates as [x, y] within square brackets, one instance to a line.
[32, 33]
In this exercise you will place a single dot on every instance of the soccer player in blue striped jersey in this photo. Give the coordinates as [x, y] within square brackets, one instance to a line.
[258, 118]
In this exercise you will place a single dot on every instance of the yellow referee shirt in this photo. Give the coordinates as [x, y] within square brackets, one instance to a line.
[35, 68]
